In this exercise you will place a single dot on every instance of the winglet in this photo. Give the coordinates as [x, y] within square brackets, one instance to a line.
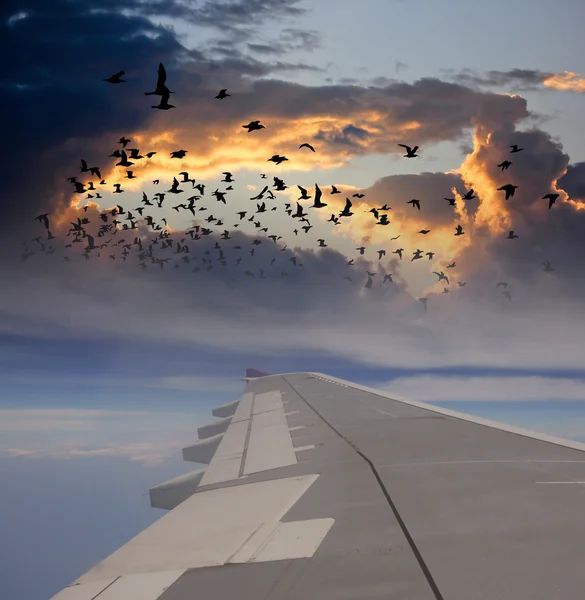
[253, 373]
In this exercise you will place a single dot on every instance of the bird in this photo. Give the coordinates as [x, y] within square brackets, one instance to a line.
[334, 190]
[179, 153]
[305, 145]
[161, 89]
[253, 126]
[304, 195]
[164, 105]
[222, 94]
[417, 254]
[346, 212]
[509, 189]
[43, 219]
[423, 231]
[515, 149]
[116, 78]
[318, 194]
[451, 201]
[552, 198]
[469, 195]
[511, 235]
[410, 152]
[441, 276]
[504, 165]
[276, 158]
[459, 230]
[503, 284]
[415, 203]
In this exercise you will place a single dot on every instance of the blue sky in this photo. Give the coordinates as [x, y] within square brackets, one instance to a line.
[107, 371]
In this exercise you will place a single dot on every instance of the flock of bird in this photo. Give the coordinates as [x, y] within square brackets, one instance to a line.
[160, 242]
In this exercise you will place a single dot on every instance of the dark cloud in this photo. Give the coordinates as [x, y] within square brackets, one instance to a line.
[61, 111]
[573, 181]
[521, 79]
[290, 40]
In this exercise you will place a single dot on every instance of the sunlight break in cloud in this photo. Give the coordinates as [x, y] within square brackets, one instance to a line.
[566, 81]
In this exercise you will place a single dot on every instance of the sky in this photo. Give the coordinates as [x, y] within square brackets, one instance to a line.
[109, 365]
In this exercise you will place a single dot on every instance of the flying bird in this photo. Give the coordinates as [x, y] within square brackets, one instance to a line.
[415, 203]
[410, 152]
[222, 94]
[276, 158]
[307, 146]
[459, 230]
[43, 219]
[552, 198]
[164, 105]
[116, 78]
[515, 149]
[504, 165]
[509, 189]
[161, 88]
[253, 126]
[511, 235]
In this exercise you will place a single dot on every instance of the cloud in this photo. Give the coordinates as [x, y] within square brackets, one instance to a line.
[146, 454]
[312, 308]
[566, 81]
[445, 388]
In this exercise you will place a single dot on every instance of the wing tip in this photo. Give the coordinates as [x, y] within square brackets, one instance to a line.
[254, 373]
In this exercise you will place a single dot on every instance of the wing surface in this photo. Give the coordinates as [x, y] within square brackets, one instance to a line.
[318, 488]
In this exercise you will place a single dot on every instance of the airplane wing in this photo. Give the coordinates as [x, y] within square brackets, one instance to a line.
[317, 488]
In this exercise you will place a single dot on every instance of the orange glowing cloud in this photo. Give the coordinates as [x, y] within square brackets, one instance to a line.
[566, 81]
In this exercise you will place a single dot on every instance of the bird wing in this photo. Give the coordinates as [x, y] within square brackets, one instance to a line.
[162, 75]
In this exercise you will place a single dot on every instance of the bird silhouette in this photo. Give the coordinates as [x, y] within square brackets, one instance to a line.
[161, 89]
[415, 203]
[552, 198]
[43, 219]
[346, 212]
[509, 189]
[116, 78]
[222, 94]
[410, 152]
[515, 149]
[504, 165]
[459, 230]
[307, 146]
[511, 235]
[318, 194]
[253, 126]
[164, 104]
